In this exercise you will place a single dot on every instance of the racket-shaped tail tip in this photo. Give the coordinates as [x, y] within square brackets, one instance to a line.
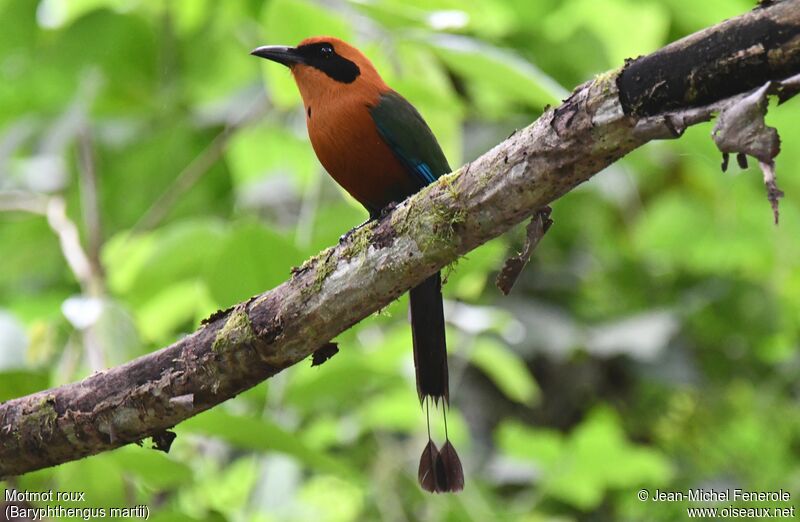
[427, 467]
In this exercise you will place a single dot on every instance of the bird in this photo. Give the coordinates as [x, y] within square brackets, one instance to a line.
[377, 147]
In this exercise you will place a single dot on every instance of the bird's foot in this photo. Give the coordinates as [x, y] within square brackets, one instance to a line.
[385, 211]
[344, 237]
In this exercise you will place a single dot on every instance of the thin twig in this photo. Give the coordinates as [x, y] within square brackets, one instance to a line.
[54, 208]
[90, 204]
[23, 201]
[70, 241]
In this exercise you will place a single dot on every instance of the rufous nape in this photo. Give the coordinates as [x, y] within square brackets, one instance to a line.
[376, 145]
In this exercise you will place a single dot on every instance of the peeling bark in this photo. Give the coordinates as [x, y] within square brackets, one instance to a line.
[741, 129]
[512, 268]
[237, 348]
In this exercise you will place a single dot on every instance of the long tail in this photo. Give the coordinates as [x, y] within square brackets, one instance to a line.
[439, 471]
[430, 345]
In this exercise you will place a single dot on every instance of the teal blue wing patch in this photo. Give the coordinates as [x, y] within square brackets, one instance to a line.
[410, 138]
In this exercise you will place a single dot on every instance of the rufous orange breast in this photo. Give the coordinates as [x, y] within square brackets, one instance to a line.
[355, 155]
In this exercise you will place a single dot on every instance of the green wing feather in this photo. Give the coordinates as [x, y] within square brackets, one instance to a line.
[410, 138]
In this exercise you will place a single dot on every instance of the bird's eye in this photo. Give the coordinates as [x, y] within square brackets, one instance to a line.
[326, 51]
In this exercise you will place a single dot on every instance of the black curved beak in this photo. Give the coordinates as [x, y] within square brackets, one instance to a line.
[288, 56]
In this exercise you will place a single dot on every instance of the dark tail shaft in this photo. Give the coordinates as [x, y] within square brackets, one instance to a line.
[430, 346]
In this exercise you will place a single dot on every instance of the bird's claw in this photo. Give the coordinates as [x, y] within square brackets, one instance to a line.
[385, 211]
[344, 237]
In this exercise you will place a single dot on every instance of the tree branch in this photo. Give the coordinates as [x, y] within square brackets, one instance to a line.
[650, 98]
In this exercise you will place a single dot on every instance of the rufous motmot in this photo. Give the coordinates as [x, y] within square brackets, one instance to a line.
[376, 145]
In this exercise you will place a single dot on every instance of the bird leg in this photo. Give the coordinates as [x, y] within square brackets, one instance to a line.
[385, 211]
[344, 237]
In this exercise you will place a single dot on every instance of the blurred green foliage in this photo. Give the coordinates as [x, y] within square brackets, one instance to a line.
[652, 342]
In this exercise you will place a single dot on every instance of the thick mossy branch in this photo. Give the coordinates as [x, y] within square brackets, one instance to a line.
[650, 98]
[432, 216]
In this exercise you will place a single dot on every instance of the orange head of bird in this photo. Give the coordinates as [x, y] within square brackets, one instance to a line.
[324, 66]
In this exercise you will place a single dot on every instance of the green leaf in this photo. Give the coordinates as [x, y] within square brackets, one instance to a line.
[101, 477]
[178, 252]
[125, 255]
[57, 14]
[216, 71]
[339, 382]
[252, 259]
[497, 72]
[471, 273]
[225, 490]
[581, 467]
[155, 469]
[719, 243]
[487, 18]
[31, 254]
[693, 16]
[149, 164]
[266, 150]
[332, 499]
[17, 25]
[172, 515]
[506, 369]
[640, 27]
[175, 306]
[396, 410]
[18, 383]
[126, 59]
[262, 435]
[544, 446]
[323, 431]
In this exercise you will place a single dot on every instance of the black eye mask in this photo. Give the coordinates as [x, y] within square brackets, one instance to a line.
[322, 56]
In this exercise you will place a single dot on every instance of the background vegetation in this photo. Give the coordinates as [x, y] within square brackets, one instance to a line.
[652, 342]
